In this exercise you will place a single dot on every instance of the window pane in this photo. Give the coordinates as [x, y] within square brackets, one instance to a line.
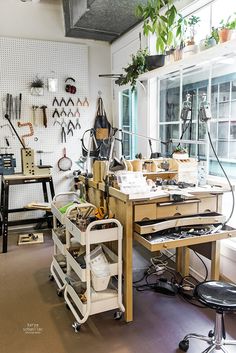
[169, 100]
[232, 151]
[222, 149]
[233, 130]
[223, 130]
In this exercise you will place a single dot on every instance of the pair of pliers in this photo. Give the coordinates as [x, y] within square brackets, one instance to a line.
[55, 101]
[85, 103]
[63, 112]
[77, 124]
[70, 101]
[70, 127]
[62, 101]
[79, 102]
[70, 113]
[55, 113]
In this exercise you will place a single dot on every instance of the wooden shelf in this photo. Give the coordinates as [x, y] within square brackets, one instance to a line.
[201, 58]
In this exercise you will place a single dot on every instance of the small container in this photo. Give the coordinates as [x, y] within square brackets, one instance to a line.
[100, 283]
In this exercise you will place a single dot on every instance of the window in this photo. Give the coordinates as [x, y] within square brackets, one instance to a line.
[128, 119]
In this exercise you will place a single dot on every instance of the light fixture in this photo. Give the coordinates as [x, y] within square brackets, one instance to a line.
[33, 1]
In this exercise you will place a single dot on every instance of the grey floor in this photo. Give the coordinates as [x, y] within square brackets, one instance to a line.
[33, 319]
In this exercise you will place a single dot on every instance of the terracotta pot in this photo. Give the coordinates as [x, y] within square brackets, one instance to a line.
[224, 35]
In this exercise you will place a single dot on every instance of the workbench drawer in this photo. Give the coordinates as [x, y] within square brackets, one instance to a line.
[157, 243]
[144, 212]
[148, 227]
[208, 204]
[172, 209]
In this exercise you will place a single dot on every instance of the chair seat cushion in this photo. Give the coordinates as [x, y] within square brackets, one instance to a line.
[217, 295]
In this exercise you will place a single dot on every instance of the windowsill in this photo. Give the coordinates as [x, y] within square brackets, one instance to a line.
[220, 181]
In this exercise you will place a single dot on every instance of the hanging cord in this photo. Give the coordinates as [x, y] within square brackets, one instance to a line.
[226, 176]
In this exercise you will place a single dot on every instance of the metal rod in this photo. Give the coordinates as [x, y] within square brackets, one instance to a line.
[13, 128]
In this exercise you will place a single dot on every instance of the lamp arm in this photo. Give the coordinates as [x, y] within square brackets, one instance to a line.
[13, 128]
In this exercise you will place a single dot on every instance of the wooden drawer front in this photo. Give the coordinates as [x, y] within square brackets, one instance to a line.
[142, 212]
[150, 227]
[208, 204]
[168, 209]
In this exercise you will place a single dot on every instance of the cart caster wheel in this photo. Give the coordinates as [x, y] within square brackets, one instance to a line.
[51, 278]
[184, 345]
[211, 333]
[118, 315]
[76, 326]
[59, 293]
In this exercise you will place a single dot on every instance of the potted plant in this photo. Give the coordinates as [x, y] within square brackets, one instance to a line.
[162, 19]
[227, 28]
[137, 67]
[37, 87]
[180, 153]
[210, 41]
[191, 24]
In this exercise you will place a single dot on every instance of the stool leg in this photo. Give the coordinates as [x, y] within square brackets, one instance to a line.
[210, 349]
[218, 329]
[223, 349]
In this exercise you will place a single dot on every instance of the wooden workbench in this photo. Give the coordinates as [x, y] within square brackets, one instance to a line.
[128, 212]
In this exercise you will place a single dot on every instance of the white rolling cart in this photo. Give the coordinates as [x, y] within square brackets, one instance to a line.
[59, 262]
[101, 299]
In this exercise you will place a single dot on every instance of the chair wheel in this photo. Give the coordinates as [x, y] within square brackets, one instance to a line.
[118, 315]
[76, 326]
[51, 278]
[211, 333]
[59, 293]
[184, 345]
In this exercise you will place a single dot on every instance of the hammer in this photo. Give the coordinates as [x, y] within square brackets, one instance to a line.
[44, 107]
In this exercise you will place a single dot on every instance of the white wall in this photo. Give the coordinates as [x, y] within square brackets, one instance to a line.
[45, 21]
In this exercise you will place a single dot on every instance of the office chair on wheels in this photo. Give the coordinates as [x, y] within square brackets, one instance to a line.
[221, 297]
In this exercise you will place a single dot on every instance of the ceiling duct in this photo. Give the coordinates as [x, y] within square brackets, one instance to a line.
[103, 20]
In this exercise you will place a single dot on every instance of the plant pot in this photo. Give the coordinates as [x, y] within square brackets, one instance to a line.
[155, 61]
[207, 43]
[36, 91]
[224, 35]
[180, 155]
[170, 56]
[190, 50]
[178, 54]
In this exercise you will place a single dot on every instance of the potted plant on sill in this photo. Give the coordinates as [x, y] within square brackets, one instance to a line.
[210, 41]
[162, 19]
[191, 24]
[227, 29]
[36, 87]
[180, 153]
[137, 67]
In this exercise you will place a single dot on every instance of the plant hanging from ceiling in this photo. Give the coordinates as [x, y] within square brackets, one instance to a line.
[137, 67]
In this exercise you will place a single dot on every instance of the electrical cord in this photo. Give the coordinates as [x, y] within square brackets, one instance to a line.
[226, 176]
[203, 265]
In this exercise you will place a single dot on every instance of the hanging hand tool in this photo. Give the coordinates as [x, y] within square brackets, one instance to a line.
[79, 102]
[63, 131]
[62, 101]
[77, 113]
[55, 101]
[85, 102]
[55, 113]
[70, 101]
[16, 110]
[44, 107]
[26, 135]
[20, 99]
[70, 113]
[63, 112]
[70, 128]
[34, 108]
[77, 124]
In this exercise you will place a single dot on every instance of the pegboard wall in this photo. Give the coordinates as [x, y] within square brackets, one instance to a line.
[20, 61]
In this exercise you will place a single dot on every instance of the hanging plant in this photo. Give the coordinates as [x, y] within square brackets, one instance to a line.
[137, 67]
[37, 86]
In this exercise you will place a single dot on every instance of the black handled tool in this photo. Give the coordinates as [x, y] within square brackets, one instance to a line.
[45, 123]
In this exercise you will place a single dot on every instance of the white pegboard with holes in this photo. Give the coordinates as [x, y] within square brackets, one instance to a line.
[21, 61]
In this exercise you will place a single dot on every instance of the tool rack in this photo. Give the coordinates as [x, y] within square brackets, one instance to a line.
[56, 270]
[95, 233]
